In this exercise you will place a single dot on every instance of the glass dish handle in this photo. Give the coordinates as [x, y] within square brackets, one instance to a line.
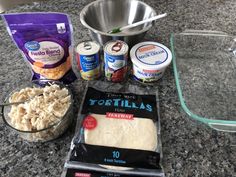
[223, 127]
[211, 33]
[203, 32]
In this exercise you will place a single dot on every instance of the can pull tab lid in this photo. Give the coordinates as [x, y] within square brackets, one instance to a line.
[87, 46]
[117, 46]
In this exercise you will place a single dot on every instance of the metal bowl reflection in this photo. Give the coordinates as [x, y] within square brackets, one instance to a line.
[102, 16]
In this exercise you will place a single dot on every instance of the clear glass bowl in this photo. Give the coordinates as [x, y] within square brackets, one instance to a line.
[53, 130]
[204, 65]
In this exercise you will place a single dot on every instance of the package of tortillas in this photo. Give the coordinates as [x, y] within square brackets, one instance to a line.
[118, 131]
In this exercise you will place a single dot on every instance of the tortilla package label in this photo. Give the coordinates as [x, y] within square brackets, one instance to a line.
[118, 131]
[45, 40]
[99, 102]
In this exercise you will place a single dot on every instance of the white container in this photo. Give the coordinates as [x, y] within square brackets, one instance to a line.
[150, 60]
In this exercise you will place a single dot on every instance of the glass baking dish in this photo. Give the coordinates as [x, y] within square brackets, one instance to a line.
[204, 65]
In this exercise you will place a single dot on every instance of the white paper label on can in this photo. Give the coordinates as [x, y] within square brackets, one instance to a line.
[115, 64]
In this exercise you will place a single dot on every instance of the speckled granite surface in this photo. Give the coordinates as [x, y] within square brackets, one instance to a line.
[190, 149]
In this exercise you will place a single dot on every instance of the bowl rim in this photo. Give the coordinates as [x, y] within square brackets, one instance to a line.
[33, 82]
[115, 34]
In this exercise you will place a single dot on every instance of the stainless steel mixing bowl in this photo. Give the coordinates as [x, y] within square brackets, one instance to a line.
[102, 16]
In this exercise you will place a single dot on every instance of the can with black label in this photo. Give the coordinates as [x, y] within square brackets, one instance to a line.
[115, 58]
[88, 60]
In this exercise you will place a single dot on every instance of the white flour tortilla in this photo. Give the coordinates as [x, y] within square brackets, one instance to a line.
[139, 133]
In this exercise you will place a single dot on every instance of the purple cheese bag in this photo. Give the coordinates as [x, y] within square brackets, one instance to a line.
[45, 40]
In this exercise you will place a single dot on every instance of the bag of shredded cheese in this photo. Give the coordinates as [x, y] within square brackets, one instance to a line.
[45, 41]
[118, 131]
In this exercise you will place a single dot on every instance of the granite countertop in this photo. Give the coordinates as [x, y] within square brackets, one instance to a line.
[190, 149]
